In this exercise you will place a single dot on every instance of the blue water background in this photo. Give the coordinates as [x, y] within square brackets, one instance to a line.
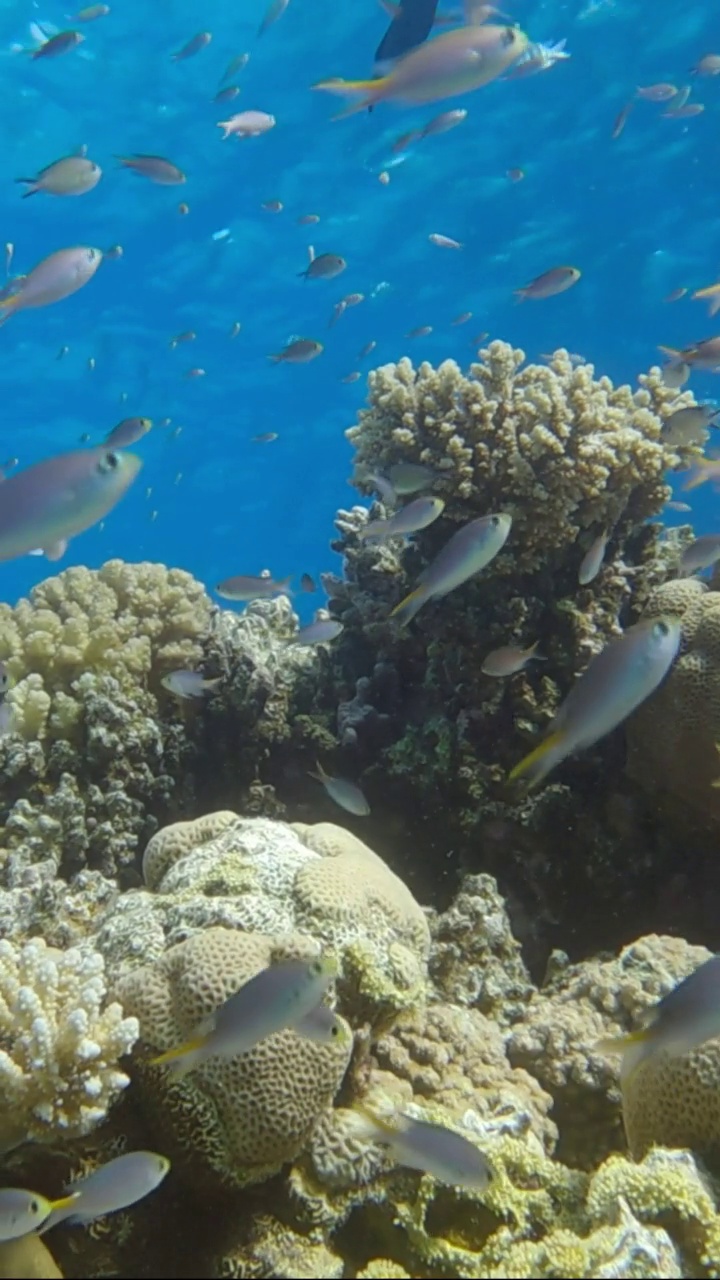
[640, 216]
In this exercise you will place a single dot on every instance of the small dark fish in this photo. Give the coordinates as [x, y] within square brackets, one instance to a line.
[128, 432]
[198, 42]
[325, 267]
[301, 351]
[156, 168]
[63, 42]
[307, 583]
[226, 95]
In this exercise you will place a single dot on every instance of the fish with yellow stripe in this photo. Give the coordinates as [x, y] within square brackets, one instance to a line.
[619, 678]
[455, 62]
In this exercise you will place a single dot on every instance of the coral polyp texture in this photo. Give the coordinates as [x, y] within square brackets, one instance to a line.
[60, 1043]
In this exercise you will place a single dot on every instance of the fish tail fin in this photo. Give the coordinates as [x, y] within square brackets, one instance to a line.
[284, 585]
[182, 1058]
[405, 611]
[32, 184]
[673, 352]
[699, 475]
[534, 767]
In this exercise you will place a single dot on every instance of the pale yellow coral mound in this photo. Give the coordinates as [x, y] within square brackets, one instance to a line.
[558, 448]
[236, 1119]
[672, 738]
[60, 1042]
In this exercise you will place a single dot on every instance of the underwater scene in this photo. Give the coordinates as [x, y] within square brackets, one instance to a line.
[359, 642]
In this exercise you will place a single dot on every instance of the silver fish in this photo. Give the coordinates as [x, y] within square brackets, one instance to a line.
[685, 425]
[322, 631]
[592, 561]
[282, 995]
[617, 680]
[410, 477]
[114, 1186]
[243, 588]
[128, 432]
[510, 659]
[24, 1211]
[189, 684]
[429, 1148]
[345, 794]
[701, 554]
[469, 550]
[415, 516]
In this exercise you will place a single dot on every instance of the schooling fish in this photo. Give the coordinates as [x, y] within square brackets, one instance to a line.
[510, 659]
[193, 46]
[700, 355]
[453, 63]
[114, 1186]
[415, 516]
[189, 684]
[62, 42]
[284, 995]
[557, 280]
[321, 631]
[24, 1211]
[429, 1148]
[468, 551]
[300, 351]
[592, 561]
[56, 277]
[701, 554]
[50, 502]
[243, 588]
[409, 477]
[618, 680]
[325, 267]
[156, 168]
[70, 176]
[345, 794]
[684, 425]
[685, 1018]
[128, 432]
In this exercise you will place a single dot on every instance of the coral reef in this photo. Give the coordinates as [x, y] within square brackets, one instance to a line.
[60, 1043]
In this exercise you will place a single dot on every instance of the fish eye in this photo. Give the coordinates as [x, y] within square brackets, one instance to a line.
[109, 462]
[494, 520]
[34, 1206]
[509, 35]
[316, 968]
[661, 629]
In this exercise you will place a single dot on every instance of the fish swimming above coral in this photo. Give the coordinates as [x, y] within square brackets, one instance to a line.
[429, 1148]
[50, 502]
[24, 1211]
[468, 551]
[619, 678]
[114, 1186]
[283, 995]
[453, 63]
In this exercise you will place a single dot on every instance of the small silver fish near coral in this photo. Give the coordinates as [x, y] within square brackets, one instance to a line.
[281, 996]
[415, 516]
[321, 631]
[685, 425]
[592, 561]
[243, 588]
[114, 1186]
[469, 550]
[618, 679]
[509, 659]
[703, 553]
[409, 477]
[685, 1018]
[24, 1211]
[189, 684]
[427, 1147]
[345, 794]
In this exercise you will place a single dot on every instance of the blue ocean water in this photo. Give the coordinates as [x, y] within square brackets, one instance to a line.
[638, 215]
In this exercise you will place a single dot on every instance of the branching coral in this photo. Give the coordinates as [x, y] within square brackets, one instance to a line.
[59, 1043]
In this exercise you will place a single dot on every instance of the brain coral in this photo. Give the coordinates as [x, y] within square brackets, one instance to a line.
[238, 1119]
[673, 737]
[559, 449]
[263, 876]
[59, 1043]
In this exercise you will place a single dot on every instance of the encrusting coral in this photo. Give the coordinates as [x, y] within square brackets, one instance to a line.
[60, 1043]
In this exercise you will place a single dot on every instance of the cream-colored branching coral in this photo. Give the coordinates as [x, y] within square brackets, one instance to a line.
[59, 1043]
[562, 451]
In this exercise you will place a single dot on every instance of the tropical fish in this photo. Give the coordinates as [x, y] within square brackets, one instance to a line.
[299, 351]
[445, 121]
[412, 22]
[189, 684]
[247, 124]
[325, 267]
[193, 46]
[46, 504]
[24, 1211]
[284, 995]
[273, 13]
[538, 57]
[685, 425]
[415, 516]
[427, 1147]
[510, 659]
[114, 1186]
[244, 588]
[557, 280]
[156, 168]
[618, 679]
[321, 631]
[307, 583]
[469, 550]
[62, 42]
[409, 477]
[444, 242]
[453, 63]
[56, 277]
[92, 13]
[128, 432]
[708, 65]
[71, 176]
[345, 794]
[684, 1019]
[702, 553]
[700, 355]
[592, 561]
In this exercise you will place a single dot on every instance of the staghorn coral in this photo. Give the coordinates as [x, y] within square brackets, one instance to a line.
[262, 876]
[235, 1120]
[59, 1043]
[673, 737]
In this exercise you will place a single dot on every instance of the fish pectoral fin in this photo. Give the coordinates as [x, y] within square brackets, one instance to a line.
[56, 550]
[537, 757]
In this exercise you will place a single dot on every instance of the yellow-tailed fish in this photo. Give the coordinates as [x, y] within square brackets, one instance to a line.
[115, 1185]
[48, 503]
[455, 62]
[417, 515]
[468, 551]
[53, 279]
[282, 996]
[427, 1147]
[685, 1018]
[24, 1211]
[345, 794]
[618, 680]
